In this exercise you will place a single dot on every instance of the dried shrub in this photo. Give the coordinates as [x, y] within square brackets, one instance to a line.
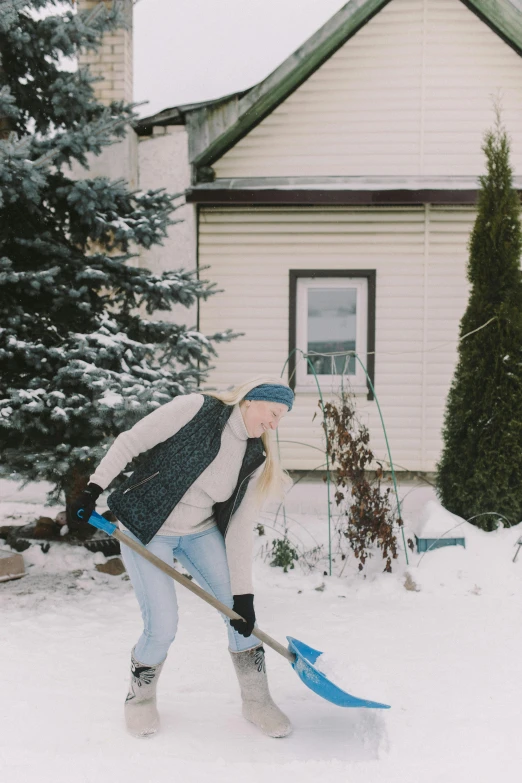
[366, 508]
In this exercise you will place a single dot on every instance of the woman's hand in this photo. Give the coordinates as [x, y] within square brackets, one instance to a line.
[86, 500]
[244, 605]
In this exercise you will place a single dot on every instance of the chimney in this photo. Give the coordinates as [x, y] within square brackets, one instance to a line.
[113, 60]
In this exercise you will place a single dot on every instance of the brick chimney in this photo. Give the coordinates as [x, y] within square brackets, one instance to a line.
[113, 60]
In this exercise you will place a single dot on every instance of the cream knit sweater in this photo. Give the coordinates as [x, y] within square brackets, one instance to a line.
[193, 513]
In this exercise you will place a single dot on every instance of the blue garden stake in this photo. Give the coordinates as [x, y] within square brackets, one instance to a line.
[300, 655]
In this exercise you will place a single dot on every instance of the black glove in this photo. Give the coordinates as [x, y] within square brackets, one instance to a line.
[86, 500]
[244, 605]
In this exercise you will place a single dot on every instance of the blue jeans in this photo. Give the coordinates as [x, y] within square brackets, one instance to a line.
[204, 557]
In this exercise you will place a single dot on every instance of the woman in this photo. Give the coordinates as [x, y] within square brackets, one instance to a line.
[206, 463]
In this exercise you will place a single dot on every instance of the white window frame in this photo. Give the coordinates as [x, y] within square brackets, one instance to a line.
[356, 383]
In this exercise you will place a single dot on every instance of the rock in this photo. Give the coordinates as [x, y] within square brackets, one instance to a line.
[5, 531]
[44, 527]
[114, 567]
[11, 565]
[18, 544]
[61, 518]
[410, 584]
[41, 531]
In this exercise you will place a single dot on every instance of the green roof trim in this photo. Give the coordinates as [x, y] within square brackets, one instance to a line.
[212, 133]
[215, 128]
[503, 17]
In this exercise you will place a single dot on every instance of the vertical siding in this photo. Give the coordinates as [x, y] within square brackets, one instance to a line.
[409, 94]
[421, 293]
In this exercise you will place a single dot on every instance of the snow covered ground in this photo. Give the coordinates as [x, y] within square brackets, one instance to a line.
[444, 653]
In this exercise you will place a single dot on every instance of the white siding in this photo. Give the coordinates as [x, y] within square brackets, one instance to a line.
[410, 94]
[163, 163]
[419, 255]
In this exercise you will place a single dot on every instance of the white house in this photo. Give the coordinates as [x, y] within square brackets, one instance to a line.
[333, 203]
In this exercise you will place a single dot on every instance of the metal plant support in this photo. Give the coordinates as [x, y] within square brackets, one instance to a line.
[328, 477]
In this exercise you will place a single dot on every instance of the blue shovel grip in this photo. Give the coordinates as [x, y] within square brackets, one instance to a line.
[96, 520]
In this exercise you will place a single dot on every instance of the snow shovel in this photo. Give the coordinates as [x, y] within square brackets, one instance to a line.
[301, 657]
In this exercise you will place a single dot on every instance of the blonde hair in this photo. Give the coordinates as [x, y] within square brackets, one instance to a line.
[274, 481]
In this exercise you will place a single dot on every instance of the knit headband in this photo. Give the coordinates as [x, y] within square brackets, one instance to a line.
[272, 392]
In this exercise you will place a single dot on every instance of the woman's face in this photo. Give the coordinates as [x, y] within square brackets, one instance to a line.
[260, 416]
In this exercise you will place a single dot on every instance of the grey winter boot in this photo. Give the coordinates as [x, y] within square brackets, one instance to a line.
[141, 714]
[258, 706]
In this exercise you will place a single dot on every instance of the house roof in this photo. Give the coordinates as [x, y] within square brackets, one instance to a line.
[216, 126]
[177, 115]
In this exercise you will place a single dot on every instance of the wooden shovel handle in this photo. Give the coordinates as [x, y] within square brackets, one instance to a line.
[194, 588]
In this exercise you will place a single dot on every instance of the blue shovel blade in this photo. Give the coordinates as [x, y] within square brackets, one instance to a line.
[317, 682]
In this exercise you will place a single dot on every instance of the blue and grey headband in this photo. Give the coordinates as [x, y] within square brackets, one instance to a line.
[272, 392]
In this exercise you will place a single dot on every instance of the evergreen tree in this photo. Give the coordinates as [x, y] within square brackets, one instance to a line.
[80, 357]
[481, 466]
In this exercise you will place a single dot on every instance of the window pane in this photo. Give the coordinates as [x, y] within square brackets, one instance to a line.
[332, 317]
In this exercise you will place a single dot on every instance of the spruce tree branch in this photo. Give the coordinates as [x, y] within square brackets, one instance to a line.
[8, 106]
[97, 129]
[96, 11]
[115, 13]
[120, 122]
[9, 10]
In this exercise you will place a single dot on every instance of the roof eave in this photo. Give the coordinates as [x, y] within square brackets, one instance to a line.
[173, 116]
[332, 198]
[177, 115]
[340, 191]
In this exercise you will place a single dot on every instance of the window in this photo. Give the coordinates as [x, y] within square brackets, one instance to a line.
[332, 313]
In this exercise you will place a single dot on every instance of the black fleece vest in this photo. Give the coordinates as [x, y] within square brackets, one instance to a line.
[164, 473]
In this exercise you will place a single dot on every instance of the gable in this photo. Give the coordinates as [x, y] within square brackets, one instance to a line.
[410, 94]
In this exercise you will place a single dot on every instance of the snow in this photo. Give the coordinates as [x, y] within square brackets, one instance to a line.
[110, 399]
[436, 522]
[439, 639]
[109, 341]
[354, 677]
